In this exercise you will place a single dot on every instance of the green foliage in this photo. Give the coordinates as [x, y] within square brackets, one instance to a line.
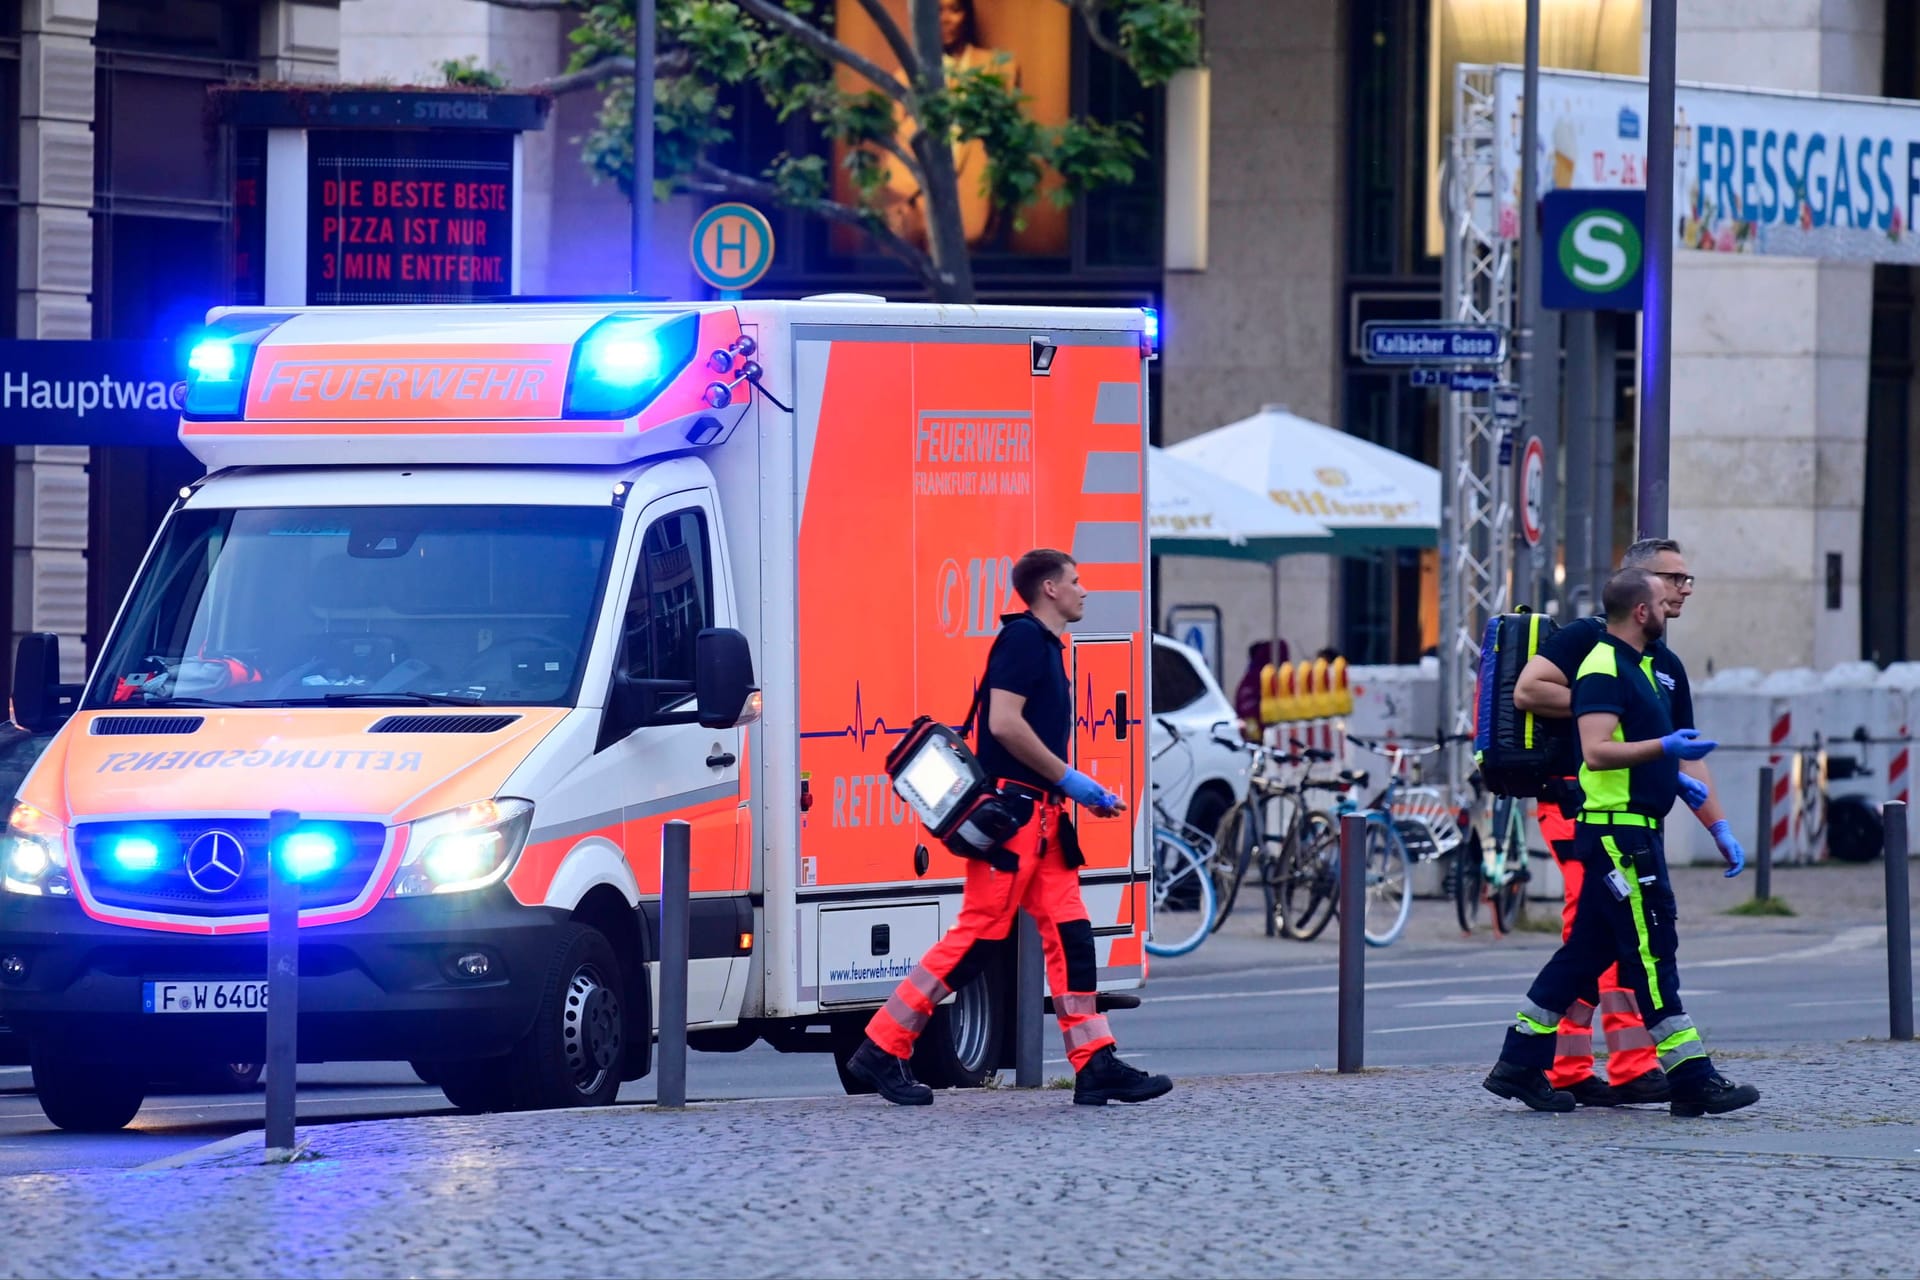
[1762, 907]
[709, 49]
[468, 73]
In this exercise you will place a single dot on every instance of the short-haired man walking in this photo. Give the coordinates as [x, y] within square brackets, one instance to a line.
[1630, 777]
[1023, 743]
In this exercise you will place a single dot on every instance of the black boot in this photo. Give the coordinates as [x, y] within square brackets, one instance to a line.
[1528, 1085]
[1107, 1079]
[1711, 1094]
[1651, 1087]
[890, 1077]
[1592, 1092]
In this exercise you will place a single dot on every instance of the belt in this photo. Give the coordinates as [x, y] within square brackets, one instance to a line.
[1606, 819]
[1040, 795]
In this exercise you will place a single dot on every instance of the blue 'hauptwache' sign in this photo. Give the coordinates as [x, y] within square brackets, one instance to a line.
[105, 392]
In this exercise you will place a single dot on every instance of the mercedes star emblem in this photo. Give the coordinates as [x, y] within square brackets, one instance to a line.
[216, 861]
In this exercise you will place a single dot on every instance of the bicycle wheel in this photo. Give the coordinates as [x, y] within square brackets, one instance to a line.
[1179, 875]
[1389, 887]
[1308, 879]
[1232, 852]
[1469, 881]
[1509, 895]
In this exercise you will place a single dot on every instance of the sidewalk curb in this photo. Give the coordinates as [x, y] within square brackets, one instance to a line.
[204, 1154]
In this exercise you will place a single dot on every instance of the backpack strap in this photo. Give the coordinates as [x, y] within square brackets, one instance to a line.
[967, 726]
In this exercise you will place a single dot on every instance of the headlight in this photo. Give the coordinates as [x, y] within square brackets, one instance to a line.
[33, 854]
[464, 848]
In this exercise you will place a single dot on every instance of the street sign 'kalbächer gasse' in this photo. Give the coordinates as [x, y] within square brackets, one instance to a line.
[1402, 342]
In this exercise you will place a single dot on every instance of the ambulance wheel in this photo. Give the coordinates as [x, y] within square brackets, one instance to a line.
[573, 1054]
[960, 1049]
[484, 1085]
[87, 1097]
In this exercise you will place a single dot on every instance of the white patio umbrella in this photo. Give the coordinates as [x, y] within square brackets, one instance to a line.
[1193, 512]
[1369, 497]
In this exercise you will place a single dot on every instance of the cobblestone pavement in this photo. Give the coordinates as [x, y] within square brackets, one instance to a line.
[1408, 1172]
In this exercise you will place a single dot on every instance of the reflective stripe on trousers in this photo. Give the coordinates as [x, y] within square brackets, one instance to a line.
[1677, 1039]
[1629, 1048]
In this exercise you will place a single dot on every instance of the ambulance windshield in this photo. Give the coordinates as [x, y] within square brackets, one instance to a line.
[399, 606]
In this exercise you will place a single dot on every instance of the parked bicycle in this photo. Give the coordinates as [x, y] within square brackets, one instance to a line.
[1494, 871]
[1181, 896]
[1391, 843]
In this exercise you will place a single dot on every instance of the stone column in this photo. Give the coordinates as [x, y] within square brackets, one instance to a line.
[299, 40]
[1770, 377]
[56, 277]
[1261, 324]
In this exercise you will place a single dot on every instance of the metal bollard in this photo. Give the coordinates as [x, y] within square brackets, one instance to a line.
[1763, 845]
[676, 870]
[283, 985]
[1353, 924]
[1030, 984]
[1893, 821]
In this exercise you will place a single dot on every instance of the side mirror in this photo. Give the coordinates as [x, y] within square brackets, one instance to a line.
[723, 689]
[41, 703]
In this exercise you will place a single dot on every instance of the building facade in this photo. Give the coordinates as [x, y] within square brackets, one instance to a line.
[1313, 172]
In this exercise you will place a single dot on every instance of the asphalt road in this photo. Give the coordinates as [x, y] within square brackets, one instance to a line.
[1242, 1003]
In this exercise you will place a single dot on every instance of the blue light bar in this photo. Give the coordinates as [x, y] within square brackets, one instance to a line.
[219, 383]
[310, 855]
[1150, 334]
[132, 855]
[623, 362]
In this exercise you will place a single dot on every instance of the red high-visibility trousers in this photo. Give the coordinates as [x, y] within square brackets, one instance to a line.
[1630, 1049]
[1050, 892]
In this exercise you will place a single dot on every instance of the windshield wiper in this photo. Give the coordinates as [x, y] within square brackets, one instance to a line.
[394, 699]
[176, 702]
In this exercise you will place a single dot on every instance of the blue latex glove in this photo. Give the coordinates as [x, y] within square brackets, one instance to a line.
[1693, 791]
[1084, 790]
[1687, 744]
[1730, 849]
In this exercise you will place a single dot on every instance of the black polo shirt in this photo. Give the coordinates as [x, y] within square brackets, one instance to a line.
[1616, 678]
[1569, 646]
[1030, 661]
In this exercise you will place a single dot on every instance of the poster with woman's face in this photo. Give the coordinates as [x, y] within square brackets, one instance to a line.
[1025, 43]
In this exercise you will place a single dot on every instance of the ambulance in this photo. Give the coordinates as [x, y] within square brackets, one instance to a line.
[485, 596]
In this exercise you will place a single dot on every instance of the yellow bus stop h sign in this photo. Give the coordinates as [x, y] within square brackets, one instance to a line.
[732, 247]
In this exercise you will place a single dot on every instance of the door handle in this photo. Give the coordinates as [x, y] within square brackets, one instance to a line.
[719, 759]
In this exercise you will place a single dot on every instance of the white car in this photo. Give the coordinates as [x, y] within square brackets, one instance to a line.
[1199, 777]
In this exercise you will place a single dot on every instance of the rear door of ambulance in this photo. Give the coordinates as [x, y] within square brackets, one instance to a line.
[936, 457]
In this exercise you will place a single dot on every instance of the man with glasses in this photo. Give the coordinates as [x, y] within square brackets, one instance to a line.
[1545, 688]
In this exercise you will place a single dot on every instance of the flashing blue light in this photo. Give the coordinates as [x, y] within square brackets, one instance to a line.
[133, 855]
[213, 360]
[623, 362]
[1150, 334]
[309, 855]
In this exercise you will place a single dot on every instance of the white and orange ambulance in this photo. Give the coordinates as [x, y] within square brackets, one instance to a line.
[486, 595]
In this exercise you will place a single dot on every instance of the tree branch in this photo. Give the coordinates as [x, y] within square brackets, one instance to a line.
[891, 145]
[770, 12]
[1089, 11]
[676, 62]
[719, 181]
[895, 37]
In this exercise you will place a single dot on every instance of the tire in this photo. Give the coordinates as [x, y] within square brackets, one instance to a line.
[1309, 887]
[482, 1085]
[1179, 875]
[572, 1055]
[1854, 830]
[87, 1097]
[1389, 888]
[960, 1049]
[1469, 882]
[1232, 853]
[229, 1077]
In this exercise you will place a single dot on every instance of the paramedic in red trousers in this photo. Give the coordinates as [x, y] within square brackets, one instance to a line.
[1545, 688]
[1023, 743]
[1630, 769]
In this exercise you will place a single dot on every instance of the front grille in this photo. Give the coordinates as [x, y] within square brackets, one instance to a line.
[442, 724]
[106, 725]
[168, 888]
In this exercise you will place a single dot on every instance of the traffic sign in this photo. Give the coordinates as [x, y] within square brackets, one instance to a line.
[1533, 490]
[732, 246]
[1470, 380]
[1427, 377]
[1506, 404]
[1506, 448]
[1592, 243]
[1435, 342]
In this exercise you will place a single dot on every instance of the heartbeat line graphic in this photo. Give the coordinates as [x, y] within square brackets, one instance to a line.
[1084, 718]
[859, 729]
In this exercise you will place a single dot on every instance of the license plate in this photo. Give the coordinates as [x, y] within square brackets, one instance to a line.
[205, 997]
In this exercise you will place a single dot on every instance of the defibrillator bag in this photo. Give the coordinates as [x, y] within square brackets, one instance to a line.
[1516, 750]
[943, 782]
